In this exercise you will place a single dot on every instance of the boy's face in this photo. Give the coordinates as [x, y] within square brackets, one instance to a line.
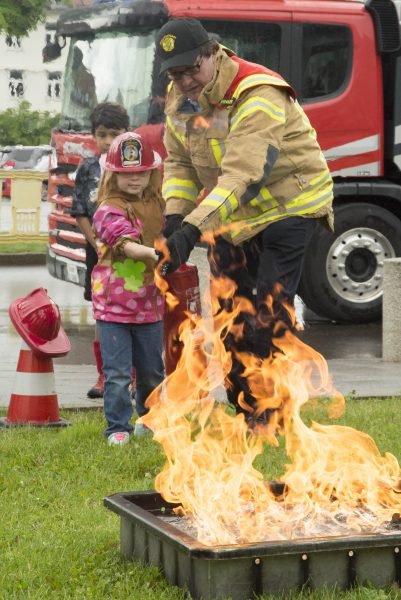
[104, 136]
[133, 183]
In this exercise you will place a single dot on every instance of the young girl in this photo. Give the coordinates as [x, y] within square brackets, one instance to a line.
[127, 305]
[108, 120]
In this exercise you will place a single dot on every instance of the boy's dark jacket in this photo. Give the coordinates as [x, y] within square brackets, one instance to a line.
[86, 184]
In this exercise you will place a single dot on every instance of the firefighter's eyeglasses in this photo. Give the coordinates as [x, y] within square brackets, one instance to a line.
[189, 72]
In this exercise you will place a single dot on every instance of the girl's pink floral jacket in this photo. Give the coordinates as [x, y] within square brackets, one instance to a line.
[123, 289]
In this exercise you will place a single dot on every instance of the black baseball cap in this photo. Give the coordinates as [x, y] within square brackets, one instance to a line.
[178, 42]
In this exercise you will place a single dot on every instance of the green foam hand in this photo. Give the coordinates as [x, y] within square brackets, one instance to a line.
[132, 273]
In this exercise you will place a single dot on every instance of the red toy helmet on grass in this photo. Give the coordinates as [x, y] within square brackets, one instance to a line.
[37, 319]
[131, 152]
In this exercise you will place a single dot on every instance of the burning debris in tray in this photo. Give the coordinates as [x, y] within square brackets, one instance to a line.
[290, 528]
[316, 529]
[336, 481]
[395, 523]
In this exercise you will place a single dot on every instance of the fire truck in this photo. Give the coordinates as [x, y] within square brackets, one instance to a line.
[342, 57]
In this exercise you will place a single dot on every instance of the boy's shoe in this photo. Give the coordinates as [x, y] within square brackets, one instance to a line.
[140, 430]
[97, 390]
[119, 438]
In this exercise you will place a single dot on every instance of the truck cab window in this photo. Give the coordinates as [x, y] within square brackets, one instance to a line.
[326, 59]
[95, 71]
[256, 42]
[111, 67]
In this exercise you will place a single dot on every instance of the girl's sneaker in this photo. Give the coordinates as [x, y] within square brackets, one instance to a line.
[118, 438]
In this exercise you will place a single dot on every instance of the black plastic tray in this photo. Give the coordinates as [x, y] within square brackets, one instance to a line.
[239, 572]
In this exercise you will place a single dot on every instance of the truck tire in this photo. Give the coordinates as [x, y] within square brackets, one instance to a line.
[342, 277]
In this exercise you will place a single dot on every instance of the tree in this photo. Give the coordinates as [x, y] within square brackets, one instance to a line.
[18, 18]
[25, 126]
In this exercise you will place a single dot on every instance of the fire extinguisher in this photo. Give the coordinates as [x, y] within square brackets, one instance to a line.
[184, 284]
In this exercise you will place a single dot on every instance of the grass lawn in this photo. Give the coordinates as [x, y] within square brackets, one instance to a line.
[21, 247]
[57, 541]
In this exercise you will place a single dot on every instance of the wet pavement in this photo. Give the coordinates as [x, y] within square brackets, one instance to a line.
[335, 340]
[75, 373]
[353, 352]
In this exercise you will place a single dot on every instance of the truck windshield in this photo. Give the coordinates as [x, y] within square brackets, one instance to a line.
[111, 67]
[121, 67]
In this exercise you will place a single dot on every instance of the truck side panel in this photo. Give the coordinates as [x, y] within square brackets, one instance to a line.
[352, 141]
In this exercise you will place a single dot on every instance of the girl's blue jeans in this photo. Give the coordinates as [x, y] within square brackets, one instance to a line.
[123, 346]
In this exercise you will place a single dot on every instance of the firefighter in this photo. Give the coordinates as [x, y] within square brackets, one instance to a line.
[237, 138]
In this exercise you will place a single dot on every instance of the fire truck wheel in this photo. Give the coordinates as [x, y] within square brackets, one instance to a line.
[342, 277]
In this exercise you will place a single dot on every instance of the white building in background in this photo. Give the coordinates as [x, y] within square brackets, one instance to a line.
[24, 75]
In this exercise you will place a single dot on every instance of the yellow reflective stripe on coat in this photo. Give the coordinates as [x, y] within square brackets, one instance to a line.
[314, 192]
[258, 79]
[255, 104]
[218, 148]
[305, 120]
[308, 202]
[180, 188]
[264, 200]
[174, 131]
[225, 201]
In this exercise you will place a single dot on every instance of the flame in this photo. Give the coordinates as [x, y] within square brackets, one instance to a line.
[161, 282]
[200, 122]
[336, 481]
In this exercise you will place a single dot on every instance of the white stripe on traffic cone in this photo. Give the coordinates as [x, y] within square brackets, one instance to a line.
[33, 399]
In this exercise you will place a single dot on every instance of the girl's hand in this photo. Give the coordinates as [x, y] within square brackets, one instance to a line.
[139, 251]
[153, 255]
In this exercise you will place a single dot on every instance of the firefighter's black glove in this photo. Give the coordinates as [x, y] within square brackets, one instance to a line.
[180, 245]
[173, 223]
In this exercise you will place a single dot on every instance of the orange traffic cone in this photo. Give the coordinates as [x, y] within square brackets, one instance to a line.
[33, 399]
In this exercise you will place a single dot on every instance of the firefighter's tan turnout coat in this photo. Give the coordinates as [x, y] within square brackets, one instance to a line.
[250, 152]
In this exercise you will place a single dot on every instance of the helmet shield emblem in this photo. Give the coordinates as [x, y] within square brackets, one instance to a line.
[131, 153]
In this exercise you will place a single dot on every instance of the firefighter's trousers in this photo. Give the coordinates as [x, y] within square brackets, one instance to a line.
[266, 270]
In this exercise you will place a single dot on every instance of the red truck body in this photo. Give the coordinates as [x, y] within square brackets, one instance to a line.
[343, 59]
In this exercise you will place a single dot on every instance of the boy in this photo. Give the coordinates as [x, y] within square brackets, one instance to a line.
[108, 120]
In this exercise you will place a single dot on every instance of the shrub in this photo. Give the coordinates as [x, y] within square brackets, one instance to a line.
[25, 126]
